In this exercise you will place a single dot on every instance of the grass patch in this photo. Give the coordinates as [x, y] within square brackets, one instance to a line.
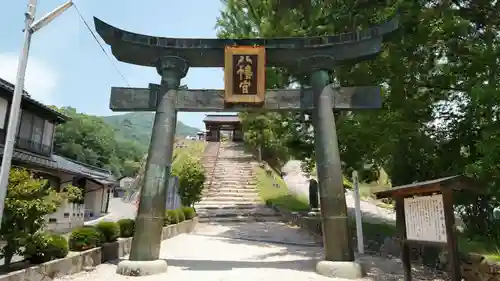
[488, 250]
[373, 229]
[273, 189]
[189, 149]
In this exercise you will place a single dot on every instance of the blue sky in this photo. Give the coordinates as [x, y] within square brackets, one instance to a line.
[67, 67]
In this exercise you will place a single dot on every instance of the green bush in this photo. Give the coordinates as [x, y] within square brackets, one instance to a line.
[172, 217]
[166, 219]
[45, 247]
[180, 214]
[189, 212]
[102, 238]
[84, 238]
[127, 227]
[191, 178]
[110, 230]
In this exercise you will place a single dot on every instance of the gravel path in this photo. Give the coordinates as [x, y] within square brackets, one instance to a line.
[299, 184]
[241, 251]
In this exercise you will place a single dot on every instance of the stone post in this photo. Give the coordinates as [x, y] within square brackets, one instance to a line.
[339, 255]
[145, 250]
[313, 195]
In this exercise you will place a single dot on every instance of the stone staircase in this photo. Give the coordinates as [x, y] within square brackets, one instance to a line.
[230, 192]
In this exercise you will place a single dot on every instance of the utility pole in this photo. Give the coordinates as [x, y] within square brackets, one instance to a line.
[10, 139]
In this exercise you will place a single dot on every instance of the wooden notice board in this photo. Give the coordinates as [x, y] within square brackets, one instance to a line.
[244, 74]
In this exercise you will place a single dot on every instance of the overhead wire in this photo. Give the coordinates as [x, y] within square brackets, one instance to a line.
[100, 45]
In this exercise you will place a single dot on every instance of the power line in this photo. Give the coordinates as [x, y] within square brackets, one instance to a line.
[100, 45]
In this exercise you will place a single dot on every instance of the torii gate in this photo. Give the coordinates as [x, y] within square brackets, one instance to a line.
[244, 61]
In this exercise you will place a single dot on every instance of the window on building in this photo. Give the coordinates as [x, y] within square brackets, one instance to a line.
[26, 125]
[35, 132]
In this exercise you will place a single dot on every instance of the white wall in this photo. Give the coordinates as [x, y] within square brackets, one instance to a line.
[96, 198]
[4, 104]
[68, 216]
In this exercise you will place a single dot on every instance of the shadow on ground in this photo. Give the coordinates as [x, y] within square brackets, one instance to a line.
[298, 245]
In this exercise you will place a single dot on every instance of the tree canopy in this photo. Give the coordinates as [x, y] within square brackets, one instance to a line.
[89, 139]
[441, 94]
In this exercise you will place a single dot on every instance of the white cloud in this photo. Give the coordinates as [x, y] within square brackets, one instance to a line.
[41, 78]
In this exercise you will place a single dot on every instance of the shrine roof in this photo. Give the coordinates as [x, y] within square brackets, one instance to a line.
[216, 118]
[458, 182]
[145, 50]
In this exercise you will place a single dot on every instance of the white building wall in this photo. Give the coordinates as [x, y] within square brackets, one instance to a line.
[96, 198]
[68, 216]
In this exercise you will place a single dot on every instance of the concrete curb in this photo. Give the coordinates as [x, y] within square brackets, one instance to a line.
[84, 261]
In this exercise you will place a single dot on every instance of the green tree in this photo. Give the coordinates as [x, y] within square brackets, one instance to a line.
[191, 178]
[89, 139]
[439, 74]
[28, 200]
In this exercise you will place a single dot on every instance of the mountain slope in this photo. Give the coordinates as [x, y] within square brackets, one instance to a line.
[137, 126]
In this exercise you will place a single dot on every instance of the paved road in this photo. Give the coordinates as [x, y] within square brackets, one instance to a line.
[117, 210]
[298, 184]
[253, 251]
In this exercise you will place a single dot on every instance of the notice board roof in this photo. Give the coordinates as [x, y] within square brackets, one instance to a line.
[458, 182]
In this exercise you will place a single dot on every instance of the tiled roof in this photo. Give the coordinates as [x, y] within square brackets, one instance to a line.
[10, 88]
[222, 118]
[56, 162]
[81, 168]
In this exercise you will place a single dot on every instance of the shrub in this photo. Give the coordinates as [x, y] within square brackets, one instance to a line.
[85, 238]
[102, 238]
[191, 178]
[166, 219]
[127, 227]
[28, 200]
[45, 247]
[189, 212]
[172, 217]
[110, 230]
[180, 214]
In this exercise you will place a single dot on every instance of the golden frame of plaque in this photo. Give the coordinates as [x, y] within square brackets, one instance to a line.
[259, 86]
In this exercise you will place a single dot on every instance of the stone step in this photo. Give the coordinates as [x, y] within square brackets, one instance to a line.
[231, 198]
[216, 187]
[214, 204]
[227, 188]
[232, 185]
[234, 199]
[231, 192]
[259, 211]
[242, 192]
[227, 205]
[230, 179]
[239, 219]
[223, 183]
